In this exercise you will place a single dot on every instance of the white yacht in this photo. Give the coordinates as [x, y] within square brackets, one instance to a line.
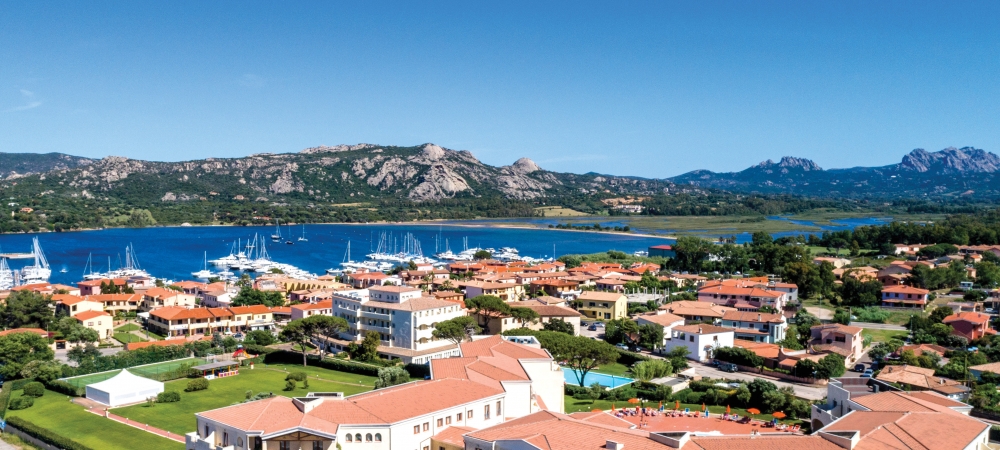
[39, 272]
[204, 273]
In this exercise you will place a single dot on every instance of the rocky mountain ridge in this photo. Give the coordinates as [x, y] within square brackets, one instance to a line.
[342, 173]
[952, 171]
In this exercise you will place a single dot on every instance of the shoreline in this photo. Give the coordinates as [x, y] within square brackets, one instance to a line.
[440, 222]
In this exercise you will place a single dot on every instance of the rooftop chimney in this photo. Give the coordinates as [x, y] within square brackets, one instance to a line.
[699, 330]
[758, 317]
[612, 445]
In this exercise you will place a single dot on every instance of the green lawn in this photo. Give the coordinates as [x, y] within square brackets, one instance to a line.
[128, 327]
[179, 417]
[616, 369]
[884, 335]
[126, 338]
[148, 370]
[153, 336]
[55, 412]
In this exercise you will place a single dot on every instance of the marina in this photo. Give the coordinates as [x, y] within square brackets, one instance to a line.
[181, 253]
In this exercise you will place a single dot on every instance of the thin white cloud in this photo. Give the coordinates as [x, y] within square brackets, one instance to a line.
[29, 98]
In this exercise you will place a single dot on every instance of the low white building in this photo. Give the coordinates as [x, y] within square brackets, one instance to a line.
[123, 389]
[661, 318]
[402, 417]
[403, 318]
[700, 340]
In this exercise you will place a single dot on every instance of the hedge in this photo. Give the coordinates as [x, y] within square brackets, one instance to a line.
[44, 435]
[23, 402]
[65, 388]
[197, 384]
[34, 389]
[5, 398]
[168, 397]
[287, 357]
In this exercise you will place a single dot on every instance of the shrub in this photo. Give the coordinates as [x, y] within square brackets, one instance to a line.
[296, 376]
[197, 384]
[22, 402]
[391, 376]
[45, 435]
[872, 314]
[65, 388]
[289, 385]
[168, 397]
[34, 389]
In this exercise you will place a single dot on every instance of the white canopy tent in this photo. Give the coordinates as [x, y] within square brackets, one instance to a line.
[123, 389]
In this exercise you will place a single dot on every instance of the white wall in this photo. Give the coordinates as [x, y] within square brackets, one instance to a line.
[546, 382]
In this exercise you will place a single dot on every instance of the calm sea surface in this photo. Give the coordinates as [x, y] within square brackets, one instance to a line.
[175, 252]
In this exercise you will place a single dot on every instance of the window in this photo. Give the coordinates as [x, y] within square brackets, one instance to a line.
[378, 437]
[284, 445]
[368, 437]
[416, 429]
[225, 439]
[468, 415]
[691, 338]
[357, 437]
[498, 409]
[447, 420]
[348, 438]
[486, 411]
[317, 445]
[458, 417]
[427, 426]
[440, 422]
[206, 432]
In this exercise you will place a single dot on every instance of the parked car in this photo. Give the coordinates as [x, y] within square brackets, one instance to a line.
[868, 373]
[592, 328]
[874, 365]
[622, 346]
[859, 367]
[990, 310]
[728, 367]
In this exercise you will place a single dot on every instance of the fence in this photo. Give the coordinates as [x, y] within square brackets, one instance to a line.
[161, 371]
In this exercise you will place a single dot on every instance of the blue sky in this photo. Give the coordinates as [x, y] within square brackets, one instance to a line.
[652, 89]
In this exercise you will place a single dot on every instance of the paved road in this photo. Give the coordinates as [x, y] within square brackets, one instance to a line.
[879, 326]
[61, 354]
[807, 392]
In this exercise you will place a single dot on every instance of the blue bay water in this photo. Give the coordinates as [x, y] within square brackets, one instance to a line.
[175, 252]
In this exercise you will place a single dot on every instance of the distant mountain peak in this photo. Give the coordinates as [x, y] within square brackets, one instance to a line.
[789, 162]
[524, 166]
[951, 160]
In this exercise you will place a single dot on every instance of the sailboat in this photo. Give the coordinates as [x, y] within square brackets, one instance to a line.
[303, 237]
[38, 272]
[6, 275]
[276, 237]
[289, 241]
[203, 273]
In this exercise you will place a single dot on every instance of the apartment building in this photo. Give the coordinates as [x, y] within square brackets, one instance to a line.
[697, 312]
[508, 292]
[901, 296]
[663, 319]
[402, 317]
[178, 321]
[836, 338]
[155, 297]
[756, 327]
[743, 296]
[603, 305]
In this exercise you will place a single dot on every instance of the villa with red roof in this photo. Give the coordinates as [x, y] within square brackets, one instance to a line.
[901, 296]
[970, 325]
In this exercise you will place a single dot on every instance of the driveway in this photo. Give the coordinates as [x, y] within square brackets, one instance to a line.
[878, 326]
[805, 391]
[820, 313]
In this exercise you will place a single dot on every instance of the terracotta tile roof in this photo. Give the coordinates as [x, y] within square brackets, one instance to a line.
[764, 442]
[550, 310]
[837, 327]
[601, 418]
[252, 309]
[281, 310]
[902, 402]
[746, 316]
[972, 317]
[739, 291]
[601, 296]
[553, 431]
[910, 430]
[413, 304]
[903, 289]
[913, 376]
[989, 367]
[37, 331]
[762, 349]
[453, 435]
[382, 406]
[325, 304]
[484, 370]
[87, 315]
[494, 345]
[664, 319]
[107, 298]
[181, 313]
[69, 300]
[703, 329]
[694, 308]
[919, 349]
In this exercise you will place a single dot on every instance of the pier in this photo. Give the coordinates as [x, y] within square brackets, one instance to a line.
[17, 255]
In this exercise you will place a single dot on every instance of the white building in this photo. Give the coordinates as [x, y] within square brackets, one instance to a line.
[403, 417]
[403, 318]
[517, 364]
[755, 326]
[700, 340]
[661, 318]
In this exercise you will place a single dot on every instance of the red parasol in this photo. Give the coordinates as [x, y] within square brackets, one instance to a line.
[703, 406]
[727, 409]
[753, 411]
[778, 415]
[633, 401]
[677, 404]
[597, 410]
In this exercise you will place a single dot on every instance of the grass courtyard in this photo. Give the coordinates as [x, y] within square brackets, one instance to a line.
[55, 412]
[127, 328]
[884, 335]
[179, 417]
[151, 370]
[127, 338]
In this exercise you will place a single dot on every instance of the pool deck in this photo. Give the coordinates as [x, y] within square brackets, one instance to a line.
[663, 423]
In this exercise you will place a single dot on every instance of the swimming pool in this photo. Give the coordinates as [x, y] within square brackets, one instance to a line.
[610, 381]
